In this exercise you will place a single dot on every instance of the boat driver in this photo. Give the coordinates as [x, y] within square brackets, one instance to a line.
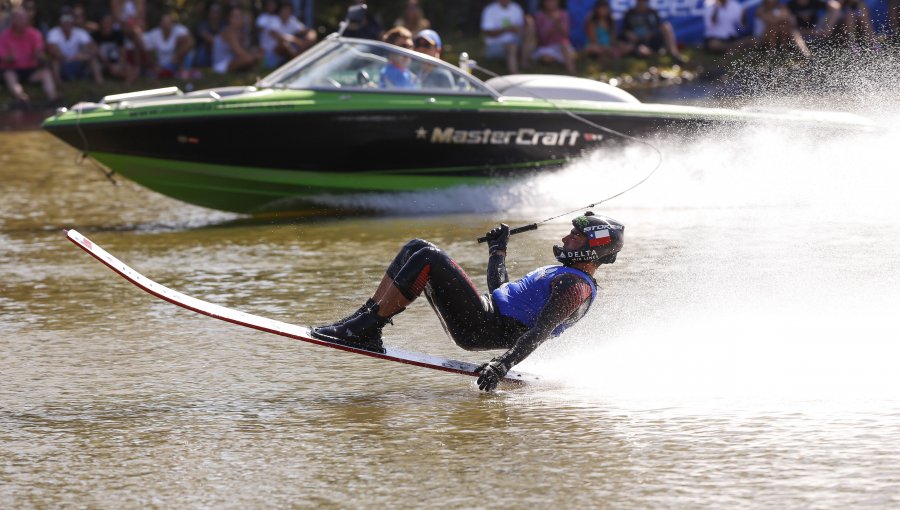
[517, 316]
[430, 76]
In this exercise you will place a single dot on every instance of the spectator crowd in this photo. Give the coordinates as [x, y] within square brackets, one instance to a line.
[228, 36]
[225, 37]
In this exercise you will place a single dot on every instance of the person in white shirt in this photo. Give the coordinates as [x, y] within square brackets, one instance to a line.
[72, 51]
[283, 36]
[230, 53]
[169, 46]
[723, 21]
[503, 24]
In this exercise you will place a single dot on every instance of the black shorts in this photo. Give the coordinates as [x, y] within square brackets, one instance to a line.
[24, 74]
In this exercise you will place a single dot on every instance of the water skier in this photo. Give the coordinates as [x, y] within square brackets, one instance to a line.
[517, 316]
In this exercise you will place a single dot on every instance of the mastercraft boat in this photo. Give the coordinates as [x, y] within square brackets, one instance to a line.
[323, 124]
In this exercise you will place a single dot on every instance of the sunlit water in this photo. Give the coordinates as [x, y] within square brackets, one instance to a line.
[742, 354]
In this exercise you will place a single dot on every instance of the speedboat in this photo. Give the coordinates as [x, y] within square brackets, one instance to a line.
[325, 123]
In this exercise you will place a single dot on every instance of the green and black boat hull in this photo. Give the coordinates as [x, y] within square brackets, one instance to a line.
[274, 150]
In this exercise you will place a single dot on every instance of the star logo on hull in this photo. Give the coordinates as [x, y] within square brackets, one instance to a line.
[421, 133]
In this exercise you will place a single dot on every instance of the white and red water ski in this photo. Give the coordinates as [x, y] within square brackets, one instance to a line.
[272, 326]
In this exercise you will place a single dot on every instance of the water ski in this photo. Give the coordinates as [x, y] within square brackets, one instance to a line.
[301, 333]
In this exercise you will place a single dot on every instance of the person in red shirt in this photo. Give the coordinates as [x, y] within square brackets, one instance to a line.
[547, 38]
[21, 57]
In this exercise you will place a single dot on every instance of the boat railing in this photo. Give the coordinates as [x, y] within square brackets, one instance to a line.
[143, 94]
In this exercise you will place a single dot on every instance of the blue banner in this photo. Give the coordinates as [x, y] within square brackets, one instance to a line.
[686, 16]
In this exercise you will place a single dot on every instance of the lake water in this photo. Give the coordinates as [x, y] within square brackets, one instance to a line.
[743, 352]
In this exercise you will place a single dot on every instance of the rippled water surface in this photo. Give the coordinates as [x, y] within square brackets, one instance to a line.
[742, 354]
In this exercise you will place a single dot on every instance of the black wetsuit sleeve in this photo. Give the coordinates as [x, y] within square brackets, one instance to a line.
[568, 294]
[496, 272]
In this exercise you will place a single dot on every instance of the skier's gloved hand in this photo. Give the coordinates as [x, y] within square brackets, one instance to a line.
[498, 238]
[490, 375]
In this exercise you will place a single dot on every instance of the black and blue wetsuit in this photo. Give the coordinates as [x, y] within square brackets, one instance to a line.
[517, 316]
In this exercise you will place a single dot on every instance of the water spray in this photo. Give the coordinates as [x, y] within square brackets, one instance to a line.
[533, 226]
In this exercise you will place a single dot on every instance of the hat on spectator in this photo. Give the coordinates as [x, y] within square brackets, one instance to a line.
[430, 36]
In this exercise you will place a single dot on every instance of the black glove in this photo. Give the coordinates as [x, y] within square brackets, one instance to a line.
[498, 238]
[490, 375]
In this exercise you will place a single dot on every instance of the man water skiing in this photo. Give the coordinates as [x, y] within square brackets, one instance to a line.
[517, 316]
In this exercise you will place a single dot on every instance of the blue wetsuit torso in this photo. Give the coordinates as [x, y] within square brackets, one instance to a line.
[524, 299]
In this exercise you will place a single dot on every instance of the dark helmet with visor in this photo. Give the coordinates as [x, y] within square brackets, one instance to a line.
[603, 239]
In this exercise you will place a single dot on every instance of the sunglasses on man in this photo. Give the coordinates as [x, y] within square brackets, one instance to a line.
[422, 42]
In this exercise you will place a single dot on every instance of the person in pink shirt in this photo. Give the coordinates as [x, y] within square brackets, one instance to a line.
[549, 41]
[21, 56]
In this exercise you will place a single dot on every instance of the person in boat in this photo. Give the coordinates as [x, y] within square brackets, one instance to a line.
[396, 74]
[430, 76]
[517, 316]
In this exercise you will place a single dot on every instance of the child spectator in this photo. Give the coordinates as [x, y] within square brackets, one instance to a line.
[205, 34]
[723, 20]
[21, 52]
[72, 51]
[110, 43]
[283, 36]
[503, 24]
[777, 28]
[551, 36]
[643, 27]
[600, 28]
[230, 53]
[413, 18]
[169, 48]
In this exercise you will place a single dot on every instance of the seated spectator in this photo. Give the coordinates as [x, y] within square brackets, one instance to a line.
[503, 25]
[370, 28]
[431, 76]
[283, 37]
[396, 74]
[723, 21]
[72, 51]
[266, 17]
[777, 28]
[81, 20]
[34, 18]
[21, 52]
[168, 47]
[413, 18]
[110, 43]
[643, 28]
[207, 30]
[602, 38]
[548, 41]
[855, 22]
[230, 53]
[808, 17]
[129, 15]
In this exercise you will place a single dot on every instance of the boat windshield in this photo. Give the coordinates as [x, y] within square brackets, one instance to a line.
[369, 65]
